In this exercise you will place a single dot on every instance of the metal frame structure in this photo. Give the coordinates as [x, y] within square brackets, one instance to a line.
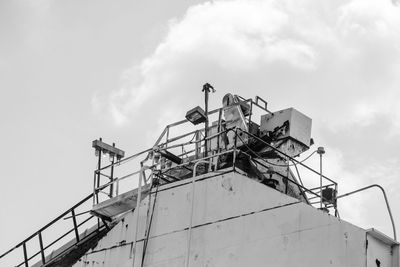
[191, 155]
[193, 152]
[195, 156]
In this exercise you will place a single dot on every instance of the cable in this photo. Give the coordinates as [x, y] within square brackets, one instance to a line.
[148, 230]
[298, 174]
[274, 164]
[294, 164]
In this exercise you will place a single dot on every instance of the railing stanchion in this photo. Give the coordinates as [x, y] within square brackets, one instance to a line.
[112, 179]
[41, 248]
[320, 151]
[25, 255]
[234, 150]
[94, 188]
[219, 129]
[251, 113]
[75, 225]
[167, 137]
[117, 188]
[98, 176]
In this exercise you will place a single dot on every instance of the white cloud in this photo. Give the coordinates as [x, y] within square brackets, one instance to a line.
[350, 49]
[337, 61]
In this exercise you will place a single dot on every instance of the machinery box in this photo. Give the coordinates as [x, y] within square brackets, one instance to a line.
[298, 125]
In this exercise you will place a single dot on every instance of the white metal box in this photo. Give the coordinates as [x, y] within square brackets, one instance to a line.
[299, 125]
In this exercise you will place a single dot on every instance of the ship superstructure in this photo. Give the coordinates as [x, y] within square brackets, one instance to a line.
[219, 188]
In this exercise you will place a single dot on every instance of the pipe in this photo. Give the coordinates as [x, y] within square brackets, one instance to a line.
[191, 211]
[137, 211]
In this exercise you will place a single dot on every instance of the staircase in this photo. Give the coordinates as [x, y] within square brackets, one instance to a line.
[80, 230]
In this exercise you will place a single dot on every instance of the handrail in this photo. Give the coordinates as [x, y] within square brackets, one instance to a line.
[178, 123]
[193, 142]
[39, 233]
[49, 224]
[386, 200]
[317, 190]
[298, 162]
[169, 126]
[165, 146]
[116, 180]
[191, 210]
[170, 143]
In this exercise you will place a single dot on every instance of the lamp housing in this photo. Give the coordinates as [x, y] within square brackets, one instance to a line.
[196, 115]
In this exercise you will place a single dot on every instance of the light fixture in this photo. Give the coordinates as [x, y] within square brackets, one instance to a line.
[100, 146]
[111, 157]
[196, 115]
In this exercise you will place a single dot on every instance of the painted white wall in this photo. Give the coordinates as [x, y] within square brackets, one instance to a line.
[236, 222]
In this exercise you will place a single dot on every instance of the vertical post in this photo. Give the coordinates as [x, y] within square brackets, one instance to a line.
[25, 255]
[167, 137]
[198, 147]
[98, 175]
[335, 204]
[206, 90]
[251, 112]
[219, 128]
[320, 151]
[41, 248]
[112, 174]
[112, 179]
[117, 187]
[142, 170]
[234, 150]
[75, 225]
[287, 177]
[94, 187]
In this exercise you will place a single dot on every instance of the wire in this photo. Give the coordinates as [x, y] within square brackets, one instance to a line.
[274, 164]
[149, 228]
[309, 156]
[294, 164]
[298, 173]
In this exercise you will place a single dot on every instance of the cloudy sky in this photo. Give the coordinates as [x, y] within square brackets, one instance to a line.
[72, 71]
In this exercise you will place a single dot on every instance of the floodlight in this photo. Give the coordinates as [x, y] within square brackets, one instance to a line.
[196, 115]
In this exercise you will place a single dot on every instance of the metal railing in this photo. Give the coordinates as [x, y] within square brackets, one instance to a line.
[75, 233]
[188, 148]
[386, 202]
[193, 148]
[189, 158]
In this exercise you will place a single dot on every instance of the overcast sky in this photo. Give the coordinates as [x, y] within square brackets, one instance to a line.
[72, 71]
